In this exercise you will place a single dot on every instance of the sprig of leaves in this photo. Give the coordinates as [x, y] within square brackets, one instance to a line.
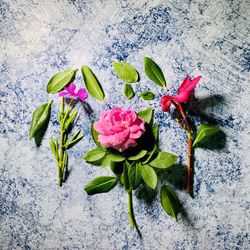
[132, 167]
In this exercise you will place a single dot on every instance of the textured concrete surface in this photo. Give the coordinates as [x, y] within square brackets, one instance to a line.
[40, 38]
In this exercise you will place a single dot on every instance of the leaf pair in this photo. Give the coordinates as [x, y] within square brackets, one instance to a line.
[163, 160]
[62, 79]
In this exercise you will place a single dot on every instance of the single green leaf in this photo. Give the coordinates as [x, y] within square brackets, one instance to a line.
[71, 143]
[128, 91]
[154, 72]
[134, 175]
[73, 137]
[101, 184]
[150, 154]
[115, 156]
[147, 95]
[138, 156]
[147, 115]
[116, 167]
[125, 71]
[125, 177]
[40, 118]
[93, 86]
[105, 162]
[71, 119]
[60, 80]
[94, 155]
[149, 176]
[205, 131]
[54, 148]
[155, 131]
[170, 202]
[95, 135]
[163, 160]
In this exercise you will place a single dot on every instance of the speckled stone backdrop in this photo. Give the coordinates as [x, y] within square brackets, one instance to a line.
[206, 37]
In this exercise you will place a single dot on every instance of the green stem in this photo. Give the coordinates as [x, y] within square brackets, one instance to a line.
[131, 213]
[61, 154]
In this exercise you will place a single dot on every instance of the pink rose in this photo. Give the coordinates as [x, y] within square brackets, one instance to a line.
[119, 128]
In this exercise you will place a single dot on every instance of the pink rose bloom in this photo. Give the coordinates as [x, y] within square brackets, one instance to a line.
[119, 128]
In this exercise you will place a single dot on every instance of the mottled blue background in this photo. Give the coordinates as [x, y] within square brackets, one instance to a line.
[206, 37]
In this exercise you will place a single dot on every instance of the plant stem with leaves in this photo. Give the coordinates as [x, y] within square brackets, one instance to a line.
[63, 154]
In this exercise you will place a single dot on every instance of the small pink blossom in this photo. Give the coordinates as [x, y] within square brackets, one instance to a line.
[184, 93]
[70, 92]
[119, 128]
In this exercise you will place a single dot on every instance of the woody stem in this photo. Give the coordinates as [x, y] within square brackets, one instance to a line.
[189, 153]
[190, 143]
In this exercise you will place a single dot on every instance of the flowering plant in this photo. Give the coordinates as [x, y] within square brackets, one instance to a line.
[60, 83]
[127, 142]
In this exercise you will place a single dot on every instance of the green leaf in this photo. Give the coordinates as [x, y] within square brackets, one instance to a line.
[170, 202]
[60, 80]
[147, 96]
[115, 156]
[150, 154]
[128, 91]
[71, 119]
[205, 131]
[93, 86]
[105, 162]
[125, 71]
[163, 160]
[54, 147]
[101, 184]
[73, 140]
[147, 115]
[149, 176]
[134, 175]
[138, 156]
[40, 118]
[95, 135]
[154, 72]
[125, 177]
[155, 132]
[94, 155]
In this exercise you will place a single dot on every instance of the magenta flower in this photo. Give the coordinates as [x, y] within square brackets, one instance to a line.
[119, 128]
[184, 93]
[69, 92]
